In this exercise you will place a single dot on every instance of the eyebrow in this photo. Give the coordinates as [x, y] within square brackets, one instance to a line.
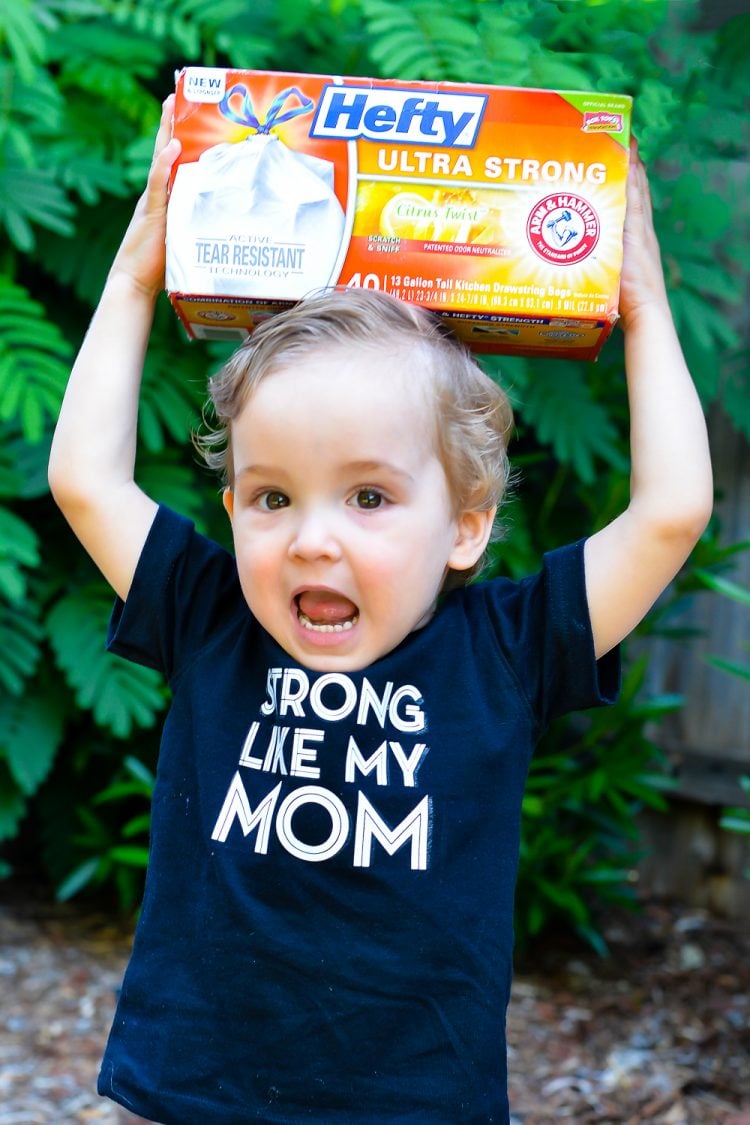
[375, 467]
[259, 471]
[364, 466]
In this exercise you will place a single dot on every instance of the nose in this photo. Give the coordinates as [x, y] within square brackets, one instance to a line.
[315, 536]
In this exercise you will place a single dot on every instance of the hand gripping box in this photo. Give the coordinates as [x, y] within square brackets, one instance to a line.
[501, 208]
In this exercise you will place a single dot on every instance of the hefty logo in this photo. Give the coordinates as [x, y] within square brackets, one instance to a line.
[394, 115]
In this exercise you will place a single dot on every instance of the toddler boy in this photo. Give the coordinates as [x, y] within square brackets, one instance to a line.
[326, 932]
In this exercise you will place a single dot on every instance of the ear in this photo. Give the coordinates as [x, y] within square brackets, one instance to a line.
[227, 499]
[473, 530]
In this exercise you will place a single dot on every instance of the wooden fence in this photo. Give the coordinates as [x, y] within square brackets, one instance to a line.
[708, 740]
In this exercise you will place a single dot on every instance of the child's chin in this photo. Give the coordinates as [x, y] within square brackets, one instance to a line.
[331, 660]
[324, 651]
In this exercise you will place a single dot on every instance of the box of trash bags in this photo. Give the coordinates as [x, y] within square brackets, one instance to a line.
[500, 208]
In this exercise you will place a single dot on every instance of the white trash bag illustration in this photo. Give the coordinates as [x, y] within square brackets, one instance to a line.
[254, 218]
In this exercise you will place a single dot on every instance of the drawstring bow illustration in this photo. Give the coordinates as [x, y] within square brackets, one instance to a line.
[276, 114]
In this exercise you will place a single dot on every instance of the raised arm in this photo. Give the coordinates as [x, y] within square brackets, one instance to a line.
[632, 560]
[92, 461]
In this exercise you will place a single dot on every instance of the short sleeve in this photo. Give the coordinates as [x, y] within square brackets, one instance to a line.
[185, 591]
[544, 630]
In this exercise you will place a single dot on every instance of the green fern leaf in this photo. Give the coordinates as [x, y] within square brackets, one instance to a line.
[12, 582]
[23, 125]
[120, 695]
[208, 17]
[23, 467]
[82, 263]
[247, 50]
[24, 39]
[88, 174]
[116, 88]
[178, 21]
[168, 402]
[31, 197]
[19, 548]
[105, 73]
[33, 362]
[97, 43]
[29, 193]
[557, 72]
[17, 540]
[558, 404]
[127, 696]
[702, 273]
[171, 482]
[152, 18]
[137, 160]
[143, 16]
[696, 318]
[31, 728]
[415, 40]
[19, 143]
[399, 53]
[20, 648]
[449, 29]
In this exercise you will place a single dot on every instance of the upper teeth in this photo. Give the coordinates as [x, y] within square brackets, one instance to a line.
[339, 627]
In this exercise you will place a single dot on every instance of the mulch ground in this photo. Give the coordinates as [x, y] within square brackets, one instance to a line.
[658, 1033]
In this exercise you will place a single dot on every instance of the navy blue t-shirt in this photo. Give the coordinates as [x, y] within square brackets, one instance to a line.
[327, 926]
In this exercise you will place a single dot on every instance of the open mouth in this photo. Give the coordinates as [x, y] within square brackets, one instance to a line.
[324, 611]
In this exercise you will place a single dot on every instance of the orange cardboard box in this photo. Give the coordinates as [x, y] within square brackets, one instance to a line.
[501, 208]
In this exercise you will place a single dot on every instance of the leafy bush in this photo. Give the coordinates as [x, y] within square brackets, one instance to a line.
[82, 86]
[114, 854]
[589, 779]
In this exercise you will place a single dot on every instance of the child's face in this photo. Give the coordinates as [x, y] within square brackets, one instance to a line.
[342, 520]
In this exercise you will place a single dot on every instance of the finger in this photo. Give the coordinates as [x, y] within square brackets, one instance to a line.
[164, 131]
[166, 150]
[638, 190]
[638, 172]
[158, 177]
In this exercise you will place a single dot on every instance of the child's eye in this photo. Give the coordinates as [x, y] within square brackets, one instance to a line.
[272, 501]
[367, 499]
